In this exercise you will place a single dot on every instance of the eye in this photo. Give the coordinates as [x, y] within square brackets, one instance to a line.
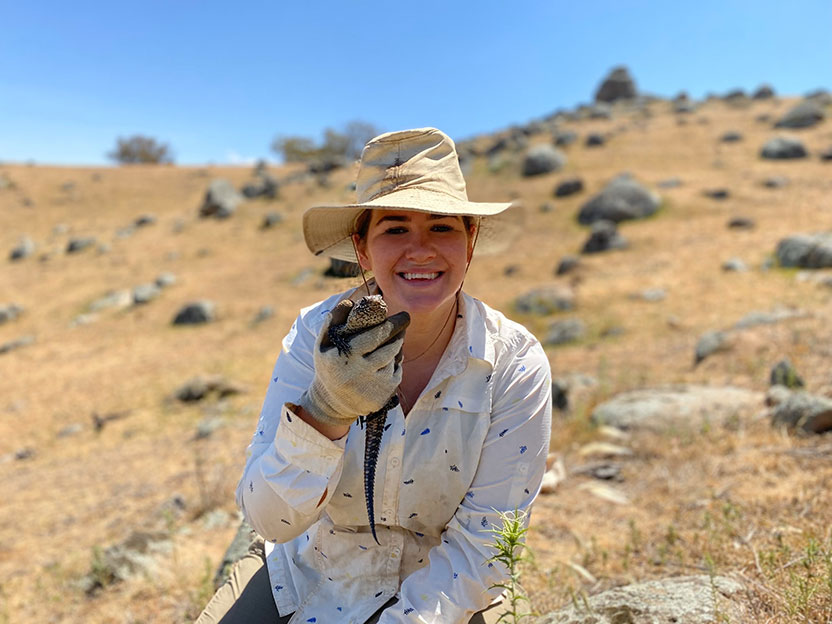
[442, 228]
[397, 229]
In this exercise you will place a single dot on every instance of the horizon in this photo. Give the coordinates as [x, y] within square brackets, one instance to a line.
[217, 85]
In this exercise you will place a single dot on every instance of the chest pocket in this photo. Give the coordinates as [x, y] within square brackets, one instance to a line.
[442, 449]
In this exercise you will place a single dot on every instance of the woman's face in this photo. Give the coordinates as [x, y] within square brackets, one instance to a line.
[418, 259]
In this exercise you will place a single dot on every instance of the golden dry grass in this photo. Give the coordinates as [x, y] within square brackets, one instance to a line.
[746, 500]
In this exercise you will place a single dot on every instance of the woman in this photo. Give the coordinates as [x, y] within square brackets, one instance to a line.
[467, 438]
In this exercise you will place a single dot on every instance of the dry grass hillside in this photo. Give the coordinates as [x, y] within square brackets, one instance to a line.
[744, 500]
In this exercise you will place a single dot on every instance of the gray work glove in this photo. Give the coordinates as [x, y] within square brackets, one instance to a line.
[357, 365]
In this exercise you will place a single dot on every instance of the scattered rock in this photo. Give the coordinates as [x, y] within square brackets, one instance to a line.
[699, 599]
[113, 299]
[195, 313]
[198, 388]
[27, 452]
[9, 312]
[134, 556]
[807, 251]
[785, 374]
[207, 426]
[604, 237]
[76, 245]
[342, 268]
[731, 137]
[17, 343]
[270, 220]
[564, 138]
[547, 207]
[670, 183]
[164, 280]
[569, 187]
[618, 85]
[70, 430]
[783, 148]
[709, 343]
[734, 265]
[741, 223]
[263, 314]
[763, 92]
[572, 389]
[541, 159]
[774, 182]
[266, 185]
[804, 412]
[595, 139]
[100, 421]
[622, 199]
[567, 264]
[545, 301]
[144, 220]
[564, 330]
[719, 193]
[803, 115]
[221, 200]
[776, 315]
[675, 408]
[652, 295]
[145, 293]
[24, 249]
[776, 395]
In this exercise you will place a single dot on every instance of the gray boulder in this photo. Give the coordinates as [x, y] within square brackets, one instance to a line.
[594, 139]
[731, 137]
[24, 249]
[564, 331]
[541, 159]
[564, 138]
[9, 312]
[709, 343]
[763, 92]
[803, 412]
[807, 251]
[145, 293]
[621, 200]
[196, 313]
[546, 300]
[604, 237]
[164, 280]
[76, 245]
[17, 343]
[221, 200]
[567, 264]
[785, 374]
[675, 408]
[804, 115]
[681, 600]
[783, 148]
[569, 187]
[618, 85]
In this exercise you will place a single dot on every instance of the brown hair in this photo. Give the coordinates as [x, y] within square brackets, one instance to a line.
[362, 223]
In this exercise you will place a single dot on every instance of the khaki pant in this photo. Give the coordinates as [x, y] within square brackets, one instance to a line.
[246, 597]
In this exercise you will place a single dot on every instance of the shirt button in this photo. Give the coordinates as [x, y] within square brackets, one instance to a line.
[388, 513]
[394, 462]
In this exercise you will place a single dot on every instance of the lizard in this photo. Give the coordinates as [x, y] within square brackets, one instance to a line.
[370, 311]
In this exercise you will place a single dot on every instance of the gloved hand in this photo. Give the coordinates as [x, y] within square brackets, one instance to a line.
[357, 369]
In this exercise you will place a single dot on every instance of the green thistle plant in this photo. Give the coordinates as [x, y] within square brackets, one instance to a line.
[509, 544]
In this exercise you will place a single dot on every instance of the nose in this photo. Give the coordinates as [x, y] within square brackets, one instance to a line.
[419, 247]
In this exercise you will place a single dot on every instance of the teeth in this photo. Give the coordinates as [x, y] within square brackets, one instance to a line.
[425, 276]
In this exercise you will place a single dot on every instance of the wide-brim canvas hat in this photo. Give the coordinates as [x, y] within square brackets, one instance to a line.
[408, 170]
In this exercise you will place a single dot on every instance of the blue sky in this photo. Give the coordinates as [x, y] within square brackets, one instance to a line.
[218, 81]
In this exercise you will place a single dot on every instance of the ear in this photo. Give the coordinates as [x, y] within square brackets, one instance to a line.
[361, 250]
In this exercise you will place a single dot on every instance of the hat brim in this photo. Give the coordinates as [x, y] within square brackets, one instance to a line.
[327, 228]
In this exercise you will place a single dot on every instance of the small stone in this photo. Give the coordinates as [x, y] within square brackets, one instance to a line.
[731, 137]
[263, 314]
[569, 187]
[774, 182]
[196, 313]
[270, 220]
[567, 264]
[71, 430]
[670, 183]
[17, 343]
[564, 331]
[76, 245]
[145, 293]
[144, 220]
[785, 374]
[710, 343]
[741, 223]
[24, 249]
[163, 280]
[595, 140]
[546, 300]
[719, 193]
[734, 265]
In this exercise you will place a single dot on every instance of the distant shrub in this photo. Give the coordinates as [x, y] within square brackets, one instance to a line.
[346, 143]
[140, 149]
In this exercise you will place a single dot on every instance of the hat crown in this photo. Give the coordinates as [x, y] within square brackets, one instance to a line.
[421, 159]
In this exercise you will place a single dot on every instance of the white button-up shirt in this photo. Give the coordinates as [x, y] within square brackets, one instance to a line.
[474, 443]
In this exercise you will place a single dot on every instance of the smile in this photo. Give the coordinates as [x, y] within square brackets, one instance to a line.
[420, 276]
